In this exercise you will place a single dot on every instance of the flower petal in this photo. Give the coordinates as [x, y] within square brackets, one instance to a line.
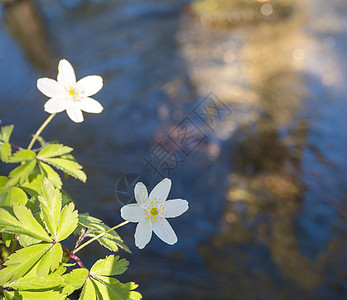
[66, 74]
[174, 208]
[143, 233]
[90, 105]
[161, 190]
[50, 87]
[164, 231]
[132, 213]
[75, 114]
[141, 193]
[55, 105]
[90, 85]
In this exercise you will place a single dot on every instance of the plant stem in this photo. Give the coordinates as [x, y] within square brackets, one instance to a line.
[74, 257]
[17, 148]
[98, 236]
[38, 132]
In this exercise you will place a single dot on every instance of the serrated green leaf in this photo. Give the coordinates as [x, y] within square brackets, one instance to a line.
[26, 241]
[112, 243]
[88, 292]
[5, 151]
[33, 185]
[68, 221]
[36, 283]
[21, 173]
[5, 132]
[53, 150]
[7, 220]
[52, 175]
[110, 240]
[14, 194]
[20, 262]
[23, 155]
[51, 295]
[50, 203]
[68, 166]
[50, 261]
[110, 266]
[74, 280]
[25, 223]
[25, 216]
[111, 289]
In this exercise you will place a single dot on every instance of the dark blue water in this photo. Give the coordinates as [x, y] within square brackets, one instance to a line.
[266, 183]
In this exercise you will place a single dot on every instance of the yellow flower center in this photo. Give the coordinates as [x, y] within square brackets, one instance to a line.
[154, 211]
[72, 92]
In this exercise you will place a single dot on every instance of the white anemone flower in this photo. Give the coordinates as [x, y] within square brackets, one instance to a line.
[152, 211]
[67, 94]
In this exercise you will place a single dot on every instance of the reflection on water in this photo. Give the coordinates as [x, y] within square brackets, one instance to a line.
[266, 190]
[25, 25]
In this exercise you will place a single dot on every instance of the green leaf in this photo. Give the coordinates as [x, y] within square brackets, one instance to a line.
[7, 238]
[53, 150]
[37, 283]
[26, 241]
[21, 173]
[3, 188]
[50, 261]
[52, 295]
[20, 262]
[74, 280]
[24, 224]
[23, 155]
[52, 175]
[108, 288]
[25, 216]
[14, 194]
[3, 180]
[68, 221]
[88, 292]
[110, 266]
[68, 166]
[34, 205]
[6, 132]
[110, 240]
[65, 198]
[33, 185]
[50, 203]
[5, 151]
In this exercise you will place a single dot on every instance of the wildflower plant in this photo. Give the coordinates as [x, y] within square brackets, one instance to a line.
[37, 215]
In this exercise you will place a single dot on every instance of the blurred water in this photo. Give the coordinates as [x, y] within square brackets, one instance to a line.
[266, 186]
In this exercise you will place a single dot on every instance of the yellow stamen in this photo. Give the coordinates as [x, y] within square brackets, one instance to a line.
[72, 92]
[154, 211]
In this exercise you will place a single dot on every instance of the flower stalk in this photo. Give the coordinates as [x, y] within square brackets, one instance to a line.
[98, 236]
[38, 132]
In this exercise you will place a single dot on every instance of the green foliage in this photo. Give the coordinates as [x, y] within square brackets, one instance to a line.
[99, 285]
[36, 216]
[94, 227]
[5, 147]
[110, 266]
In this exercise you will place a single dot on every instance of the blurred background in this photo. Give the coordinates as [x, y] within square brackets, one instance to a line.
[242, 103]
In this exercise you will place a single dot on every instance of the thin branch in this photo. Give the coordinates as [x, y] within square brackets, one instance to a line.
[74, 257]
[17, 148]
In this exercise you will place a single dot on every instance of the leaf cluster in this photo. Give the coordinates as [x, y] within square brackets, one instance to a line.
[36, 216]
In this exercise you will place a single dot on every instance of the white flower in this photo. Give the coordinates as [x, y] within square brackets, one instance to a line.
[67, 94]
[152, 211]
